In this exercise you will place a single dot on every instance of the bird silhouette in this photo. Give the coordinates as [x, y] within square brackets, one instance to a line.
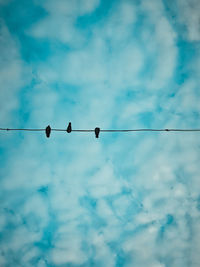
[97, 131]
[69, 127]
[48, 131]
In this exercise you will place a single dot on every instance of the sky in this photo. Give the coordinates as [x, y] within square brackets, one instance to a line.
[125, 199]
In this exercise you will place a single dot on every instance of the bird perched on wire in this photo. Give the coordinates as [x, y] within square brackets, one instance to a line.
[97, 131]
[48, 131]
[69, 127]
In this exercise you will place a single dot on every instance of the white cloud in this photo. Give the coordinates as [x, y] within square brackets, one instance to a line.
[159, 171]
[87, 6]
[41, 263]
[14, 75]
[113, 58]
[93, 63]
[30, 255]
[35, 213]
[2, 260]
[68, 250]
[22, 237]
[104, 182]
[71, 8]
[189, 16]
[163, 45]
[186, 97]
[60, 21]
[103, 255]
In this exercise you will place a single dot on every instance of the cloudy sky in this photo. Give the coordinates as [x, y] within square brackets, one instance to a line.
[125, 199]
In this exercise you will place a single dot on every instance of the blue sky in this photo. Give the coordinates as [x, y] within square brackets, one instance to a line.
[128, 199]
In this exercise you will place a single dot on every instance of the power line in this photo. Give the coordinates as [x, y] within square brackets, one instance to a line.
[119, 130]
[97, 130]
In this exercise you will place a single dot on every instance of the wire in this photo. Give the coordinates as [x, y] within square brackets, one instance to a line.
[15, 129]
[154, 130]
[122, 130]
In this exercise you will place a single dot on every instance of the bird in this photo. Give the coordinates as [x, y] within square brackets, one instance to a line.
[48, 131]
[69, 127]
[97, 131]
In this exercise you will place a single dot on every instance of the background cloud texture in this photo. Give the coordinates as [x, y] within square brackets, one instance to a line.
[128, 199]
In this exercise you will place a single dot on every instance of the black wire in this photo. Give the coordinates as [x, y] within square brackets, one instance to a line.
[154, 130]
[123, 130]
[15, 129]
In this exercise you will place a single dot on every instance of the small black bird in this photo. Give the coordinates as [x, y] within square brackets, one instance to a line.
[48, 131]
[69, 127]
[97, 131]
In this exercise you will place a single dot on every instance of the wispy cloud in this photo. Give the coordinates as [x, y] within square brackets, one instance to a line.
[129, 199]
[14, 75]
